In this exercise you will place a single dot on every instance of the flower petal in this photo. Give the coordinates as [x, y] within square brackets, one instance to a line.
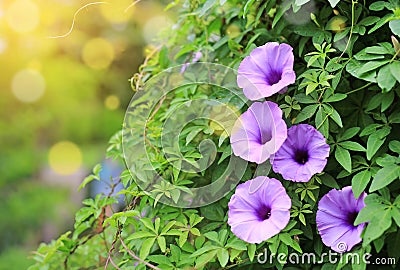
[267, 70]
[249, 200]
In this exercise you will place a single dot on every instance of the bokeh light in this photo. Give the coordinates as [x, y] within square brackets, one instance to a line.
[112, 102]
[28, 85]
[3, 45]
[117, 12]
[153, 27]
[65, 157]
[23, 16]
[98, 53]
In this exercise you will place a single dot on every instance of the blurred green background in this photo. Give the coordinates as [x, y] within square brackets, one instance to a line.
[63, 95]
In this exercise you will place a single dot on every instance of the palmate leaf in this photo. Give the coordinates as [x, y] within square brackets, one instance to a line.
[343, 157]
[377, 212]
[385, 176]
[374, 142]
[386, 80]
[146, 247]
[306, 113]
[360, 182]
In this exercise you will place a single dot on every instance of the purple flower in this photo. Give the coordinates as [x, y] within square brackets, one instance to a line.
[196, 58]
[257, 214]
[303, 154]
[267, 70]
[259, 132]
[337, 211]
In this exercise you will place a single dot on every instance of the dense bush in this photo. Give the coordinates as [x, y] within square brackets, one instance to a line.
[347, 69]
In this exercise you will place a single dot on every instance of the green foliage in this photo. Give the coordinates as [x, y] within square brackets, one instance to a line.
[347, 87]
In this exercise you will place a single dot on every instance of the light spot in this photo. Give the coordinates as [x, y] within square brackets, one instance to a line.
[115, 12]
[23, 16]
[28, 85]
[3, 45]
[153, 27]
[98, 53]
[65, 158]
[112, 102]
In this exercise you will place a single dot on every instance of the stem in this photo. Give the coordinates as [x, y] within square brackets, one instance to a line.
[353, 2]
[359, 88]
[136, 257]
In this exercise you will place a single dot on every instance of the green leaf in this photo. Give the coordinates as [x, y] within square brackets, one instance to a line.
[146, 247]
[157, 224]
[395, 146]
[195, 231]
[306, 113]
[289, 241]
[336, 117]
[280, 12]
[385, 79]
[223, 257]
[193, 134]
[360, 182]
[207, 6]
[381, 22]
[213, 236]
[236, 244]
[182, 238]
[372, 65]
[348, 134]
[205, 258]
[377, 226]
[373, 145]
[285, 238]
[333, 65]
[375, 207]
[306, 99]
[322, 123]
[377, 6]
[384, 177]
[395, 212]
[159, 259]
[353, 146]
[395, 70]
[161, 243]
[395, 27]
[203, 250]
[148, 224]
[251, 251]
[343, 157]
[387, 100]
[86, 181]
[140, 234]
[163, 57]
[335, 98]
[329, 181]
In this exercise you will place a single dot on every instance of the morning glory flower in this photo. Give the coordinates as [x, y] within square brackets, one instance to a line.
[303, 154]
[259, 209]
[337, 211]
[267, 70]
[259, 132]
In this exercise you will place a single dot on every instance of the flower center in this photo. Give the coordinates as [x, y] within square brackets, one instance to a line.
[273, 77]
[301, 156]
[266, 136]
[351, 217]
[264, 213]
